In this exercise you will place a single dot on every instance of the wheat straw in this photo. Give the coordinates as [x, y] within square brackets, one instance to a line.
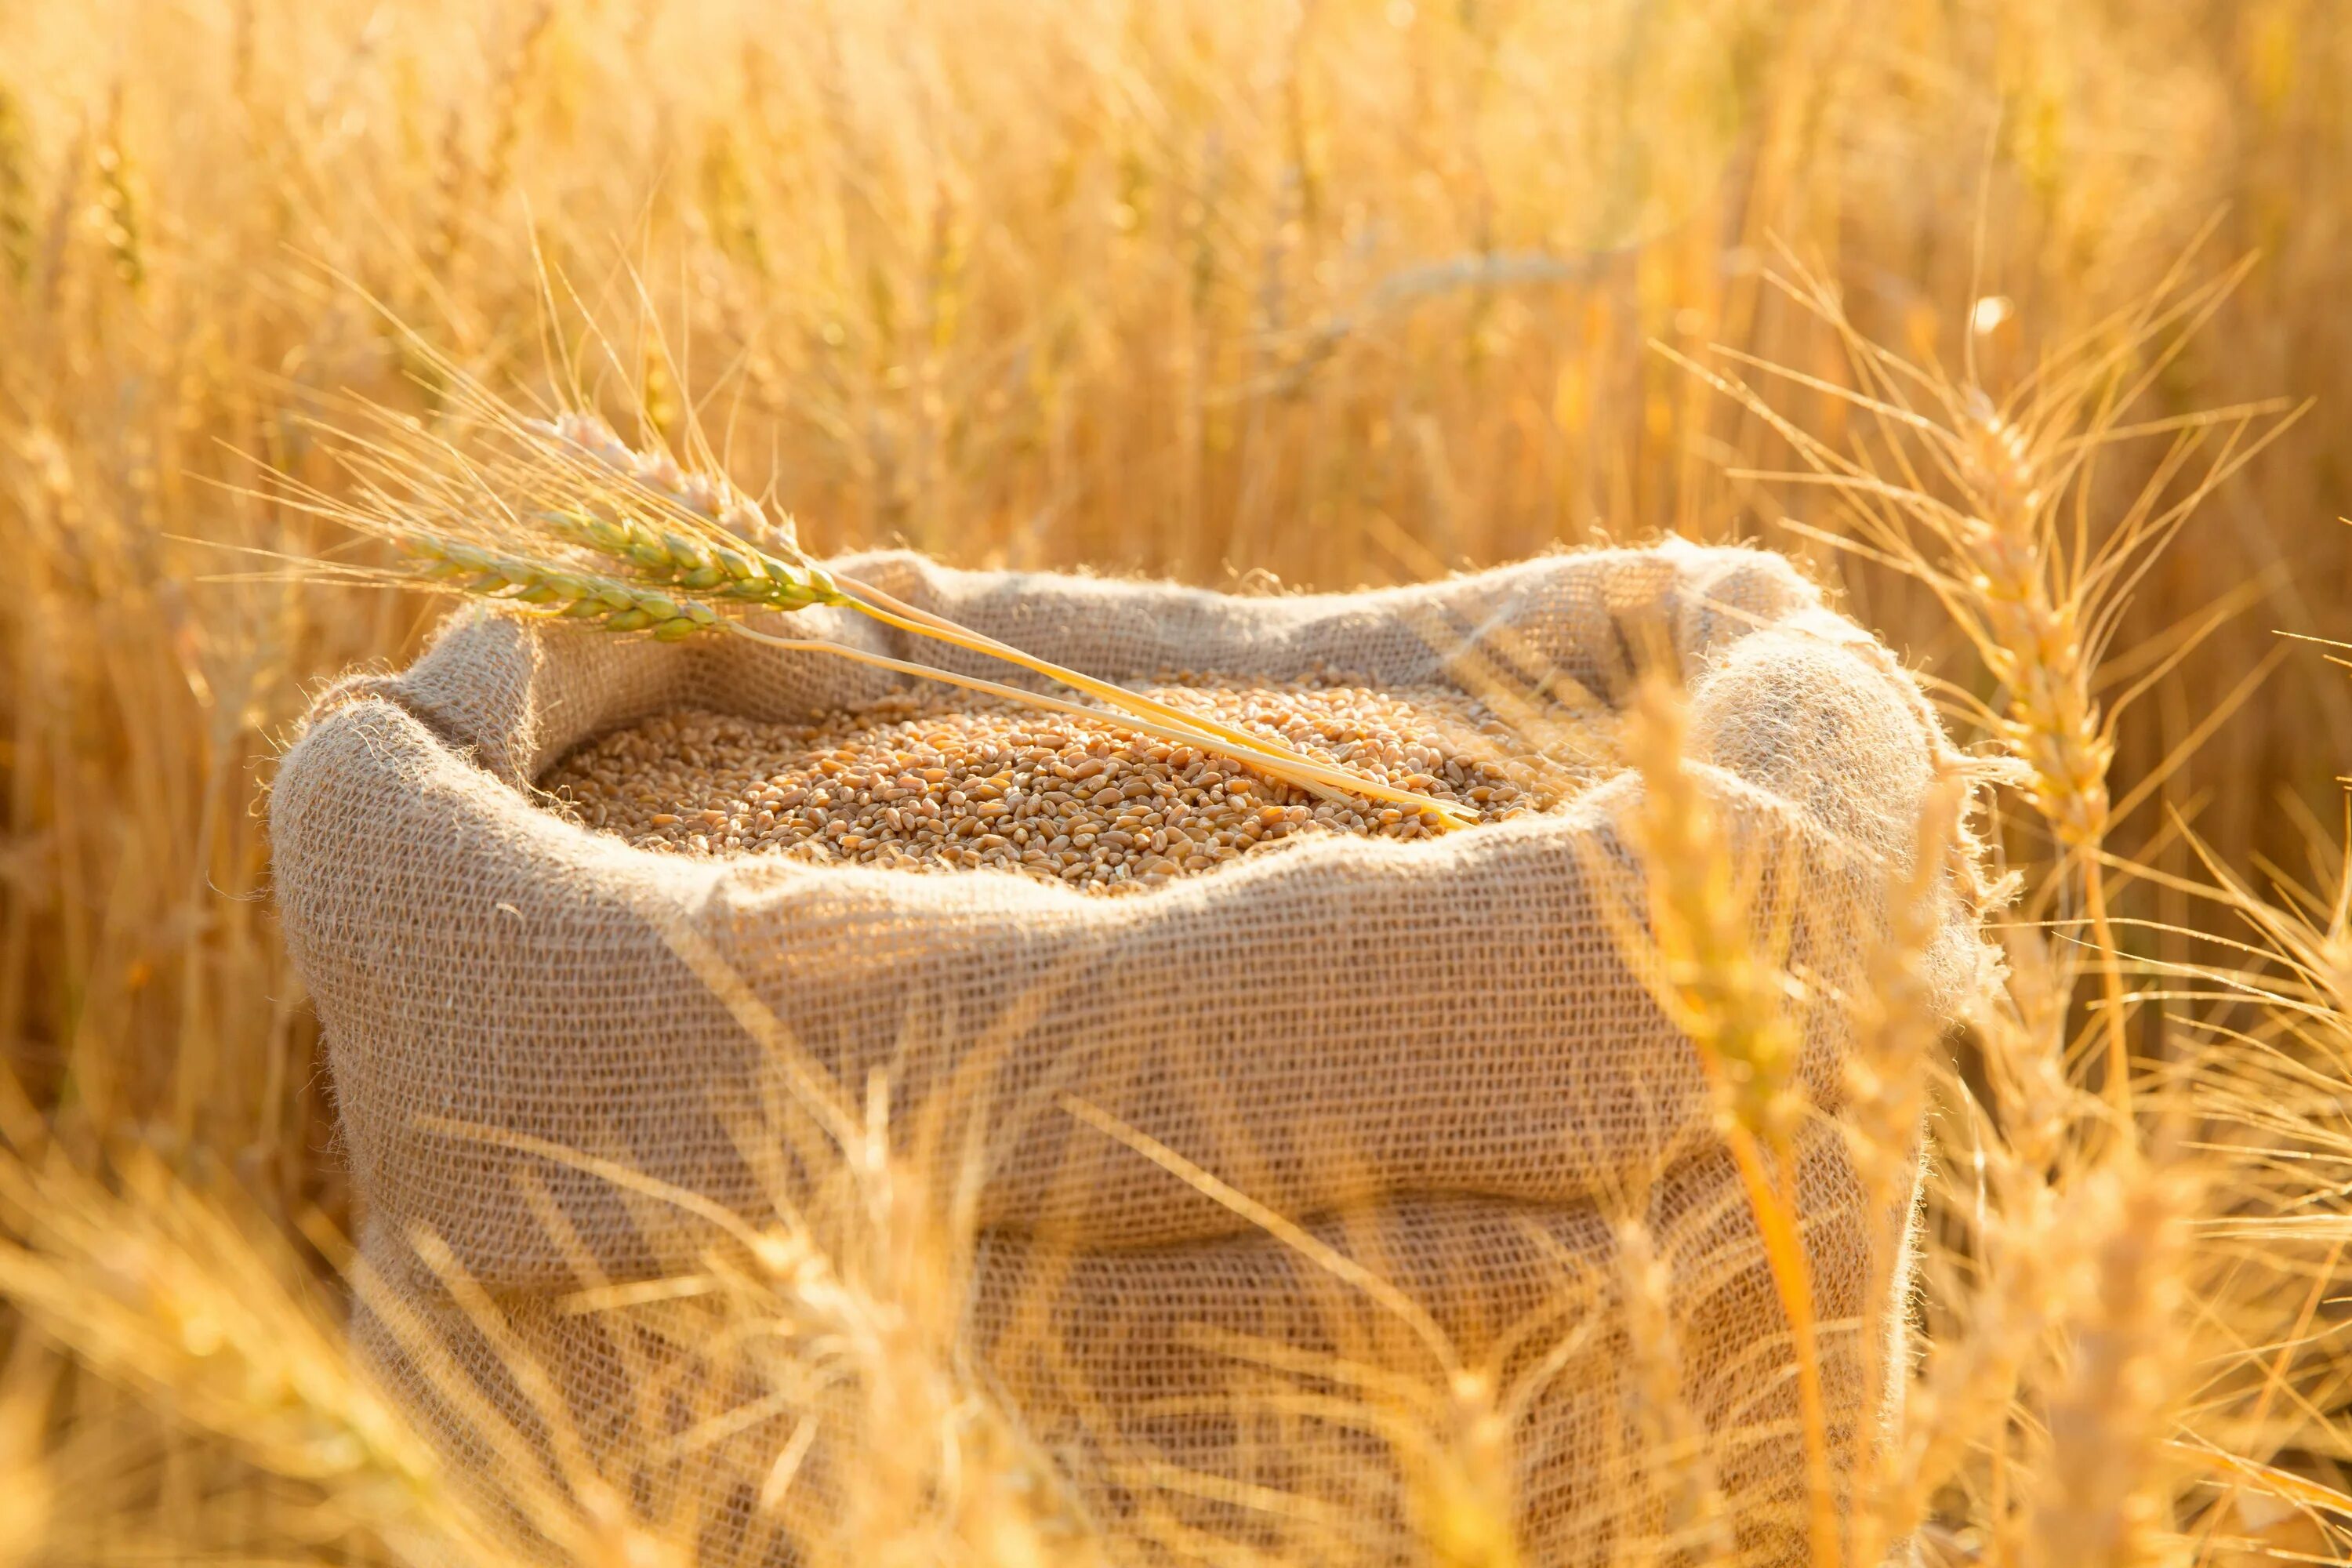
[560, 518]
[1733, 1000]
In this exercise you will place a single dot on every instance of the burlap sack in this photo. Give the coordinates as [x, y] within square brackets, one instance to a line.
[1437, 1053]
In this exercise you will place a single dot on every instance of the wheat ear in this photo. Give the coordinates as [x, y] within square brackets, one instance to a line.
[1708, 975]
[563, 519]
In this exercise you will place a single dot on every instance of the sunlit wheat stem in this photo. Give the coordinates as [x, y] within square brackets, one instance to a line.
[1237, 742]
[570, 523]
[160, 1291]
[2035, 647]
[1733, 1004]
[1886, 1080]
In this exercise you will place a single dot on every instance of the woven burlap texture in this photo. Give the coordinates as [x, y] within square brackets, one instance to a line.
[1436, 1052]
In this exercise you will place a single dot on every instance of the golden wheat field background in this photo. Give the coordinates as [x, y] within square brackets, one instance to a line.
[2023, 325]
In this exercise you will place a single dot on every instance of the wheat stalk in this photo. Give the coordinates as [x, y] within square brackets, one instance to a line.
[696, 565]
[1677, 1461]
[1988, 504]
[562, 519]
[1708, 975]
[16, 194]
[1887, 1076]
[2101, 1489]
[157, 1288]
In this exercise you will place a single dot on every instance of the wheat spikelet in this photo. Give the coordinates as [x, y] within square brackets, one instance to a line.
[160, 1291]
[1461, 1497]
[28, 1491]
[1697, 949]
[15, 193]
[122, 225]
[561, 518]
[2102, 1494]
[845, 1312]
[2009, 555]
[1888, 1075]
[2021, 1153]
[1677, 1463]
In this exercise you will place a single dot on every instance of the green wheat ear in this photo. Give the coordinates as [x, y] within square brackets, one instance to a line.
[611, 602]
[696, 565]
[673, 551]
[764, 566]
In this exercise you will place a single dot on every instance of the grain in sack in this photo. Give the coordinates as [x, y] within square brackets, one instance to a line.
[1430, 1051]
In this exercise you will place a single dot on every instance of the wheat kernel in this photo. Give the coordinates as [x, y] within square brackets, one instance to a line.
[919, 783]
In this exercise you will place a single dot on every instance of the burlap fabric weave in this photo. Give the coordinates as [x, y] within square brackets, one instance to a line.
[1436, 1054]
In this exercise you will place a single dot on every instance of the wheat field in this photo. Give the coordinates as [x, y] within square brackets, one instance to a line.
[2015, 323]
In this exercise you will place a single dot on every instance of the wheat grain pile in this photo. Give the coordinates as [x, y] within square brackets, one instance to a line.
[915, 781]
